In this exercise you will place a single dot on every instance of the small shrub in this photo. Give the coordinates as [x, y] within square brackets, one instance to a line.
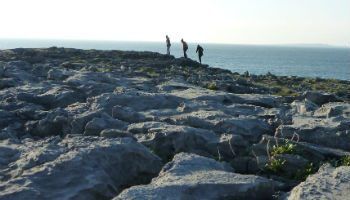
[301, 175]
[345, 161]
[275, 165]
[149, 71]
[287, 148]
[212, 86]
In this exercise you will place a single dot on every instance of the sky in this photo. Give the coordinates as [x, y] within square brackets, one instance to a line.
[209, 21]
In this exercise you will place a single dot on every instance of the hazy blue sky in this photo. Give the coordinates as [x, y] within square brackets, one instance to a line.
[218, 21]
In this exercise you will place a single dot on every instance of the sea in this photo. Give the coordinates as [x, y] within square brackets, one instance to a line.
[304, 61]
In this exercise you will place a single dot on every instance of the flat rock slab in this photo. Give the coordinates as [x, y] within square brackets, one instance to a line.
[190, 176]
[73, 168]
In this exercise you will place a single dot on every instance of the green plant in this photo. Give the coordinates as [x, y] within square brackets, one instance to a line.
[275, 165]
[345, 161]
[287, 148]
[309, 169]
[149, 71]
[212, 86]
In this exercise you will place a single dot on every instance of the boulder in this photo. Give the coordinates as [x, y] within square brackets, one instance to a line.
[190, 176]
[6, 118]
[20, 71]
[115, 133]
[144, 127]
[79, 121]
[127, 114]
[137, 101]
[327, 183]
[333, 110]
[96, 125]
[58, 75]
[232, 145]
[74, 168]
[322, 132]
[56, 122]
[319, 98]
[57, 96]
[303, 107]
[251, 128]
[169, 140]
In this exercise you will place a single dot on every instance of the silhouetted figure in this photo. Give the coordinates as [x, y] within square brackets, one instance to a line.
[200, 53]
[168, 45]
[184, 47]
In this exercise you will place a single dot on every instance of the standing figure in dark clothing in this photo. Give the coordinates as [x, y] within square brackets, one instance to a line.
[168, 45]
[200, 53]
[184, 47]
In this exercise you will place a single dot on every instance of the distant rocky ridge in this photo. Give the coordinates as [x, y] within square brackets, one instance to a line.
[89, 124]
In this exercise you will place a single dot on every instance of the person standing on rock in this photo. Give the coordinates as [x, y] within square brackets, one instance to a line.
[184, 47]
[200, 53]
[168, 45]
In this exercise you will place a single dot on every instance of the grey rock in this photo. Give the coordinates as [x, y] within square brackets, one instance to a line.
[20, 71]
[96, 125]
[79, 121]
[319, 98]
[231, 145]
[328, 183]
[169, 140]
[58, 75]
[6, 118]
[115, 133]
[127, 114]
[58, 96]
[1, 70]
[31, 111]
[312, 152]
[322, 132]
[333, 110]
[292, 164]
[7, 83]
[250, 128]
[55, 122]
[74, 168]
[190, 176]
[92, 83]
[144, 127]
[303, 107]
[138, 101]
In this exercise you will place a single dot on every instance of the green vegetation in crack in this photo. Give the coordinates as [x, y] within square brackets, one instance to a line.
[275, 165]
[149, 71]
[287, 148]
[302, 174]
[212, 86]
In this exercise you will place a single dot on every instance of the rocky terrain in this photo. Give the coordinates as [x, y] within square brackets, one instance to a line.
[88, 124]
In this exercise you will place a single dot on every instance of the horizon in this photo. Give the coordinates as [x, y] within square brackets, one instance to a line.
[272, 22]
[306, 45]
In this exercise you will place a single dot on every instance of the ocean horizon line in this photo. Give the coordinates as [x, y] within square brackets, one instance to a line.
[302, 45]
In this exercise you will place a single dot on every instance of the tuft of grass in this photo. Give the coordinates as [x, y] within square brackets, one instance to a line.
[302, 175]
[149, 71]
[212, 86]
[287, 148]
[345, 161]
[275, 165]
[284, 91]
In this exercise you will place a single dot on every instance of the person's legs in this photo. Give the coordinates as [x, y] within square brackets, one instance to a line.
[168, 50]
[185, 54]
[200, 59]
